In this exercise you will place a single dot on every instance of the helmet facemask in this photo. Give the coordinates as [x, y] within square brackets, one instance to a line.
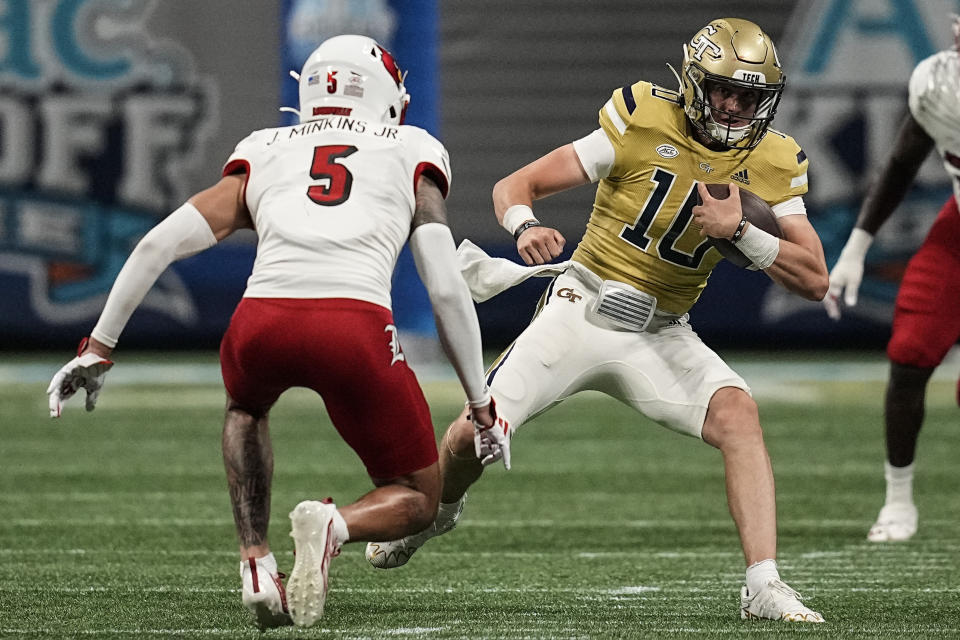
[715, 123]
[732, 56]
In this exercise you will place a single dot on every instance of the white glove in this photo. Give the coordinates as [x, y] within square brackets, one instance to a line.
[83, 372]
[492, 443]
[846, 275]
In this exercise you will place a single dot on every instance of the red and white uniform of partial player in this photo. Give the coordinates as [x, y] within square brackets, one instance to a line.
[332, 201]
[926, 319]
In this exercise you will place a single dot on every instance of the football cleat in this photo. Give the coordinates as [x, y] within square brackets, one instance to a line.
[396, 553]
[263, 594]
[896, 523]
[314, 545]
[776, 601]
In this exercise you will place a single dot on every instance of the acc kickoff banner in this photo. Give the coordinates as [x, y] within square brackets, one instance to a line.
[101, 123]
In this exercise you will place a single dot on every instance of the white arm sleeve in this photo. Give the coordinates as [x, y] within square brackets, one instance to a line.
[433, 252]
[596, 154]
[183, 233]
[790, 207]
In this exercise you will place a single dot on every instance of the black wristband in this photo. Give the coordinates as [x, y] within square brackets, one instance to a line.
[739, 232]
[526, 225]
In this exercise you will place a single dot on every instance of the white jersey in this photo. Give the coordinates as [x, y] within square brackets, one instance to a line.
[332, 201]
[934, 94]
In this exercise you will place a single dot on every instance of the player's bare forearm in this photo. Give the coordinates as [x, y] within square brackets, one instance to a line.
[223, 206]
[97, 347]
[557, 171]
[912, 146]
[800, 266]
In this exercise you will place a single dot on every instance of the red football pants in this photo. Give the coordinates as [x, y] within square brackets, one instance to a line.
[926, 317]
[345, 350]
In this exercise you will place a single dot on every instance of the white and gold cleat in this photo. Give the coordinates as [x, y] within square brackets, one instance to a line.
[396, 553]
[776, 601]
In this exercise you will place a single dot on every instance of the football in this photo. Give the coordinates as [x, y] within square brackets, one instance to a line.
[757, 212]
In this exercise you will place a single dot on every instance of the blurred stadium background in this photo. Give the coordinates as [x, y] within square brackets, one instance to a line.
[114, 111]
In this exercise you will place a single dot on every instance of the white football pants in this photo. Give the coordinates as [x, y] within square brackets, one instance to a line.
[666, 372]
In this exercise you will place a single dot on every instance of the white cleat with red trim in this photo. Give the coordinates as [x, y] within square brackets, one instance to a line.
[314, 545]
[263, 593]
[776, 601]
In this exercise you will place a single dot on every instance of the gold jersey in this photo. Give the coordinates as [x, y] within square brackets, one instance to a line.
[641, 230]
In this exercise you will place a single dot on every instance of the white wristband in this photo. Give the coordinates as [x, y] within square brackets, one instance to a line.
[761, 247]
[858, 244]
[482, 402]
[515, 216]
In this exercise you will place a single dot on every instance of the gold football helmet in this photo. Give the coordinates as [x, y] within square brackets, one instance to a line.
[735, 56]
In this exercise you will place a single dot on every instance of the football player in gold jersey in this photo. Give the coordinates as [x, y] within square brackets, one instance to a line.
[615, 320]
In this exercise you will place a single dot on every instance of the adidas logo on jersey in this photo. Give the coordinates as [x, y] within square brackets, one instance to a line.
[741, 176]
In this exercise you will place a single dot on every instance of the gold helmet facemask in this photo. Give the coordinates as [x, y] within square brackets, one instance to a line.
[737, 55]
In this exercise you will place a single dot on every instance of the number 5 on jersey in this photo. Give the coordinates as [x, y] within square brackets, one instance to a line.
[338, 178]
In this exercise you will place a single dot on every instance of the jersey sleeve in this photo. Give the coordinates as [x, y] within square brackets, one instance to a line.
[596, 154]
[432, 160]
[932, 96]
[249, 156]
[781, 168]
[623, 122]
[615, 116]
[797, 172]
[244, 154]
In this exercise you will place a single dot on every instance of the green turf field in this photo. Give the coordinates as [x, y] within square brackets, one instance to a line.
[117, 524]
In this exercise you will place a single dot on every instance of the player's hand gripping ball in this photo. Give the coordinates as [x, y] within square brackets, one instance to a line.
[757, 212]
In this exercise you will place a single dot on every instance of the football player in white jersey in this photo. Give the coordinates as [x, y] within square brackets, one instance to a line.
[333, 200]
[926, 317]
[615, 320]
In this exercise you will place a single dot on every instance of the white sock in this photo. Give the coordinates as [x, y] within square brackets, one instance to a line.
[268, 562]
[759, 574]
[899, 483]
[449, 511]
[340, 533]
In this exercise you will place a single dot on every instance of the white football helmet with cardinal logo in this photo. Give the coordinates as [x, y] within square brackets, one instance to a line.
[352, 75]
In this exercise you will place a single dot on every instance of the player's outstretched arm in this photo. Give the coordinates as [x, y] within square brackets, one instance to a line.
[206, 218]
[435, 255]
[885, 194]
[513, 197]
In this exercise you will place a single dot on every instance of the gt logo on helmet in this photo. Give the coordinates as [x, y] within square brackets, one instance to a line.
[700, 45]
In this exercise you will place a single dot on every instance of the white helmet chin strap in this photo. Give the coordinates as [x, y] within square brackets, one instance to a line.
[725, 133]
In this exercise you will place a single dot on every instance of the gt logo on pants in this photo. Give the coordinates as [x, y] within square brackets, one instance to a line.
[568, 293]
